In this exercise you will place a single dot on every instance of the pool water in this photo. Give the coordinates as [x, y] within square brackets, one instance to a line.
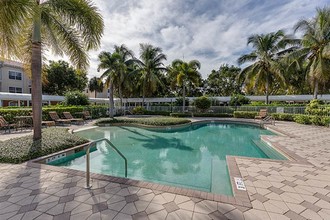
[192, 157]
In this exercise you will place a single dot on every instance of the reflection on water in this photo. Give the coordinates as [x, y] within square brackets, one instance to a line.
[193, 157]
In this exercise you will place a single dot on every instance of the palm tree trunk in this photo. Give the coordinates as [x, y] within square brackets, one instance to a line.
[111, 102]
[316, 88]
[36, 89]
[121, 97]
[267, 91]
[183, 97]
[144, 91]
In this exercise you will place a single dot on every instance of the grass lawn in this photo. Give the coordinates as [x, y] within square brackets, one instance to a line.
[22, 149]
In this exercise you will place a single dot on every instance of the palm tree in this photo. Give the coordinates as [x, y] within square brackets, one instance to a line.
[95, 85]
[125, 56]
[109, 63]
[150, 67]
[68, 27]
[316, 47]
[182, 73]
[264, 70]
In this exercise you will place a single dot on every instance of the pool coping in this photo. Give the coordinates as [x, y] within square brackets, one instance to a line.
[240, 197]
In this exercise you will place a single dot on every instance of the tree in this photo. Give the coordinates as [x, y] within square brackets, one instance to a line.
[150, 68]
[61, 78]
[264, 71]
[68, 27]
[223, 82]
[316, 47]
[182, 73]
[95, 85]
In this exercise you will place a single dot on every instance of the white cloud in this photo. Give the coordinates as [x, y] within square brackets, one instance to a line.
[212, 31]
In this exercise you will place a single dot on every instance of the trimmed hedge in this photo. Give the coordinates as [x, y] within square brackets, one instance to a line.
[96, 111]
[283, 116]
[219, 115]
[245, 114]
[153, 121]
[21, 149]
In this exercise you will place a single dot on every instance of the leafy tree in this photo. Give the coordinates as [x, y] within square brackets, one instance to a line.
[151, 67]
[183, 73]
[95, 85]
[28, 27]
[223, 82]
[264, 72]
[61, 78]
[238, 100]
[203, 103]
[316, 48]
[75, 98]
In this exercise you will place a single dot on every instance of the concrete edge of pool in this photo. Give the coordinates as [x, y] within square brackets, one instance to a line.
[240, 197]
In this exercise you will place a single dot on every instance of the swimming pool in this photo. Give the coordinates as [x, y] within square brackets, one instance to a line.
[192, 157]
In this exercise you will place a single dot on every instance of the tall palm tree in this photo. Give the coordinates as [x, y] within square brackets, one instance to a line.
[183, 73]
[264, 71]
[28, 27]
[150, 66]
[125, 56]
[109, 63]
[95, 84]
[316, 47]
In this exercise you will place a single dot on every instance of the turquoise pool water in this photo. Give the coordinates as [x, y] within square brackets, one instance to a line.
[193, 157]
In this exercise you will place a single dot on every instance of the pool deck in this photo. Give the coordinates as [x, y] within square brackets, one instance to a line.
[295, 189]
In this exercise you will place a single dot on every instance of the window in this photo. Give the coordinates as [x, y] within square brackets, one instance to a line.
[15, 75]
[15, 90]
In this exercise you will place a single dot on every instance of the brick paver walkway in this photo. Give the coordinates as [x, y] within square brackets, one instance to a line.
[277, 189]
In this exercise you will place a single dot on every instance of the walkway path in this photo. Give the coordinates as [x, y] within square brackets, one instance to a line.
[277, 189]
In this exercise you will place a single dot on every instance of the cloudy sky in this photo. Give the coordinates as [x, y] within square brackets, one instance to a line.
[211, 31]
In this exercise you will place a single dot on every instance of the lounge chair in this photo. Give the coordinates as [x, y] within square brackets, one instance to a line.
[86, 115]
[4, 124]
[262, 114]
[68, 116]
[58, 120]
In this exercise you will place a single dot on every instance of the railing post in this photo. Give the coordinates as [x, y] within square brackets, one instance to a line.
[88, 185]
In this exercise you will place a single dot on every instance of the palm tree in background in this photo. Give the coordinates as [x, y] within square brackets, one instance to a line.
[316, 47]
[28, 27]
[109, 63]
[125, 58]
[265, 71]
[182, 73]
[95, 84]
[150, 67]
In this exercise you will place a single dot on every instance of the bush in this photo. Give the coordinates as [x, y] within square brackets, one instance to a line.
[158, 113]
[202, 103]
[238, 100]
[154, 121]
[76, 98]
[315, 108]
[312, 119]
[139, 110]
[179, 102]
[303, 119]
[181, 115]
[22, 149]
[283, 116]
[243, 114]
[219, 115]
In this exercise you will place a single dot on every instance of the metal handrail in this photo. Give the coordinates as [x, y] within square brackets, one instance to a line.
[88, 185]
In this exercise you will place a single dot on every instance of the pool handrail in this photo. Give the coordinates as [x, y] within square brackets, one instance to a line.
[88, 185]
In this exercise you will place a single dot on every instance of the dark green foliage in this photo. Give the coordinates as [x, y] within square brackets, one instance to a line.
[302, 119]
[219, 115]
[179, 102]
[245, 114]
[275, 103]
[238, 100]
[283, 116]
[202, 103]
[22, 149]
[181, 115]
[223, 82]
[61, 78]
[76, 98]
[153, 121]
[316, 107]
[139, 110]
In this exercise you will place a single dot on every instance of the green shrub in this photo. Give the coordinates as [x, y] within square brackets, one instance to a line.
[283, 116]
[303, 119]
[179, 102]
[76, 98]
[22, 149]
[238, 100]
[139, 110]
[202, 103]
[180, 115]
[153, 121]
[164, 113]
[218, 115]
[245, 114]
